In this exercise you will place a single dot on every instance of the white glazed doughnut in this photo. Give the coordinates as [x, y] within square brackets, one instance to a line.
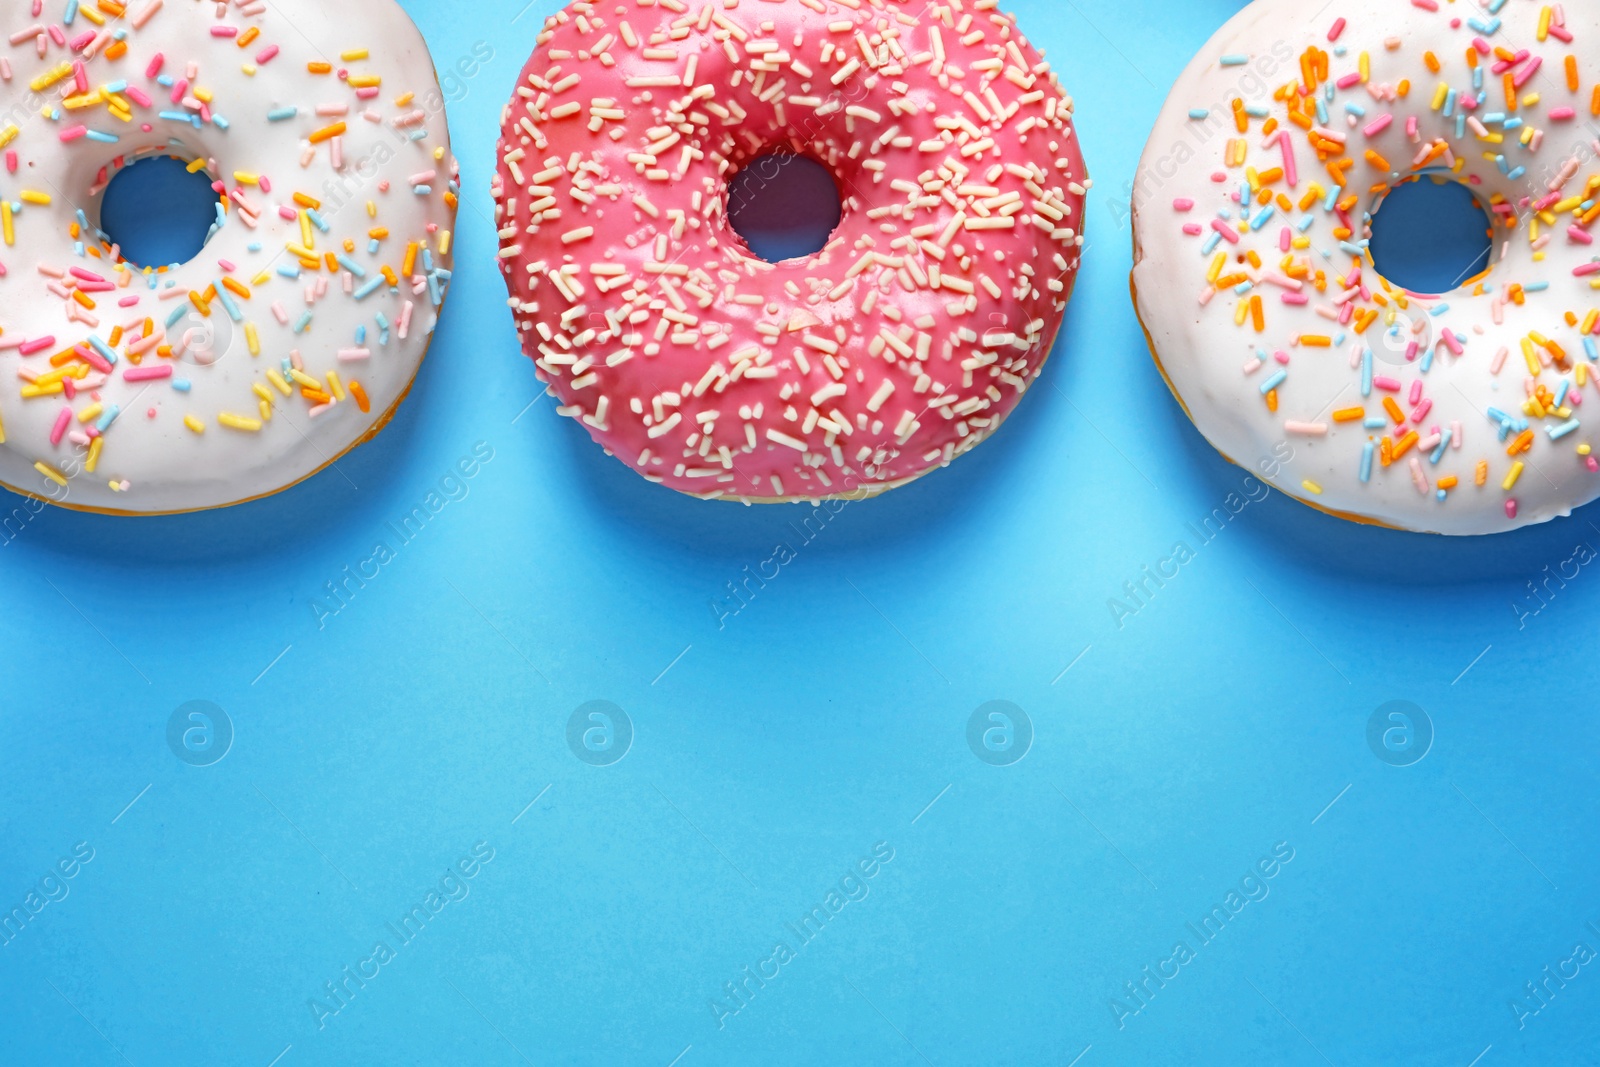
[295, 332]
[1460, 413]
[902, 344]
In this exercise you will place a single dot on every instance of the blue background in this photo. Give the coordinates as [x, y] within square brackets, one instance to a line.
[770, 751]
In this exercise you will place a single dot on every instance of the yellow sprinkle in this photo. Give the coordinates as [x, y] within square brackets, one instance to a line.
[194, 424]
[252, 338]
[277, 381]
[266, 410]
[372, 210]
[1512, 476]
[335, 386]
[30, 196]
[1583, 449]
[444, 242]
[90, 413]
[1307, 484]
[365, 81]
[195, 165]
[92, 460]
[50, 472]
[50, 77]
[307, 240]
[238, 422]
[6, 225]
[244, 177]
[8, 135]
[354, 55]
[2, 433]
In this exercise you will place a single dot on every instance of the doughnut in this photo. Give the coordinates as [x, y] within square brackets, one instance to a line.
[1454, 413]
[298, 328]
[900, 345]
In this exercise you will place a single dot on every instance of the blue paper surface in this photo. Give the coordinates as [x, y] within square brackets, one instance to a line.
[662, 753]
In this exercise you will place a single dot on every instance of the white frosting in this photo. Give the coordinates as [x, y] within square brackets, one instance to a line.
[1214, 364]
[151, 463]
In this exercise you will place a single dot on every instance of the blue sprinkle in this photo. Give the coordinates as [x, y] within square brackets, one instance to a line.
[422, 190]
[229, 306]
[103, 138]
[182, 385]
[1517, 172]
[1366, 462]
[1440, 495]
[72, 12]
[1333, 198]
[117, 86]
[361, 334]
[289, 270]
[104, 422]
[1198, 113]
[1561, 393]
[1366, 371]
[1439, 310]
[1263, 217]
[1375, 423]
[1590, 350]
[1558, 432]
[1438, 453]
[1210, 243]
[101, 347]
[278, 114]
[350, 265]
[302, 322]
[1535, 287]
[1273, 382]
[369, 288]
[177, 313]
[1233, 59]
[1355, 109]
[1486, 27]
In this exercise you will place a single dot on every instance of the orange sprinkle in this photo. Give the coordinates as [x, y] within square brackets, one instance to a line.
[1272, 400]
[360, 394]
[1449, 481]
[237, 288]
[305, 201]
[1432, 61]
[1349, 414]
[1394, 410]
[320, 68]
[1315, 340]
[1481, 473]
[1377, 161]
[1257, 316]
[1402, 446]
[1572, 73]
[327, 133]
[1523, 443]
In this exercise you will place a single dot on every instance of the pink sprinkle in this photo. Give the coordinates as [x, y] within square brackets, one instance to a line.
[1378, 125]
[72, 133]
[1232, 236]
[38, 344]
[1387, 384]
[1411, 126]
[1585, 269]
[1455, 434]
[63, 420]
[86, 275]
[1285, 239]
[1291, 173]
[1338, 28]
[139, 96]
[224, 31]
[1561, 33]
[145, 374]
[1191, 228]
[11, 162]
[1578, 234]
[127, 302]
[179, 87]
[1183, 203]
[93, 358]
[1282, 357]
[1481, 45]
[1561, 114]
[1349, 80]
[1422, 411]
[155, 65]
[266, 54]
[1295, 298]
[80, 77]
[1218, 177]
[1528, 72]
[1416, 392]
[1511, 505]
[1451, 343]
[1426, 5]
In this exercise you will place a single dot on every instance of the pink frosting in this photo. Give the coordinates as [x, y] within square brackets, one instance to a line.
[900, 345]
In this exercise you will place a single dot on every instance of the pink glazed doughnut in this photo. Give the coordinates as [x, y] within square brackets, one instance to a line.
[900, 345]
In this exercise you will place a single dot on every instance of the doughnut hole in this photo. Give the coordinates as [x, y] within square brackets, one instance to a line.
[784, 206]
[1431, 235]
[157, 212]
